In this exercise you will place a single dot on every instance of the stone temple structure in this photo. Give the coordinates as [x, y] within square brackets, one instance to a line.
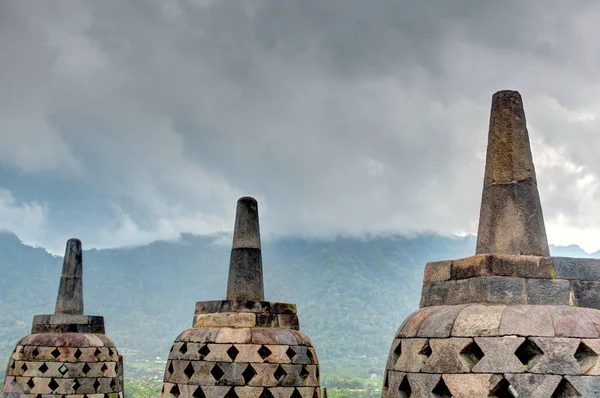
[243, 346]
[510, 321]
[67, 353]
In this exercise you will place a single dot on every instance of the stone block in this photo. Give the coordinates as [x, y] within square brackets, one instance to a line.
[593, 315]
[586, 294]
[411, 325]
[583, 269]
[587, 356]
[548, 291]
[199, 335]
[499, 290]
[471, 385]
[414, 354]
[264, 336]
[437, 271]
[526, 320]
[522, 266]
[225, 319]
[558, 357]
[499, 355]
[534, 385]
[439, 323]
[586, 386]
[231, 335]
[446, 356]
[478, 320]
[288, 321]
[571, 322]
[422, 384]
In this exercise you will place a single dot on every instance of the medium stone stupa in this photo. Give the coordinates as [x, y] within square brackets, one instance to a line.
[510, 321]
[244, 346]
[67, 353]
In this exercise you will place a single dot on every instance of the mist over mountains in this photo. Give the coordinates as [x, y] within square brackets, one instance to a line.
[351, 293]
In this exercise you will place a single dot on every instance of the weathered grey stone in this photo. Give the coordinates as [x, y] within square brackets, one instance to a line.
[499, 290]
[414, 354]
[534, 385]
[422, 384]
[478, 320]
[571, 322]
[548, 291]
[584, 269]
[587, 356]
[446, 356]
[245, 268]
[511, 219]
[526, 320]
[439, 323]
[499, 355]
[437, 271]
[593, 315]
[70, 291]
[559, 356]
[225, 319]
[411, 325]
[471, 385]
[522, 266]
[587, 386]
[586, 294]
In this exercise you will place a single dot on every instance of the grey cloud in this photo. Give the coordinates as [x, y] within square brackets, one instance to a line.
[339, 116]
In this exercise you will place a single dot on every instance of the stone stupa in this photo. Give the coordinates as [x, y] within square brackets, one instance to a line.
[510, 321]
[243, 346]
[67, 353]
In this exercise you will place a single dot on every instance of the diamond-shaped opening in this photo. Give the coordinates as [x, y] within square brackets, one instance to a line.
[104, 369]
[35, 352]
[404, 389]
[55, 353]
[86, 368]
[24, 367]
[63, 369]
[170, 368]
[279, 373]
[96, 384]
[97, 352]
[30, 383]
[217, 372]
[204, 351]
[564, 389]
[290, 353]
[43, 368]
[198, 393]
[315, 395]
[472, 354]
[529, 353]
[113, 384]
[189, 370]
[78, 354]
[175, 390]
[304, 373]
[386, 384]
[111, 352]
[53, 384]
[264, 352]
[504, 390]
[266, 393]
[398, 350]
[231, 393]
[248, 374]
[426, 350]
[586, 357]
[310, 356]
[441, 390]
[296, 394]
[233, 352]
[76, 385]
[183, 349]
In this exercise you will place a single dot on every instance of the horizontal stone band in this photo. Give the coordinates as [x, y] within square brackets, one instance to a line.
[257, 307]
[246, 320]
[62, 319]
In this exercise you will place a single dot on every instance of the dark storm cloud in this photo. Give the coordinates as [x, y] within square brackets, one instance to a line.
[339, 116]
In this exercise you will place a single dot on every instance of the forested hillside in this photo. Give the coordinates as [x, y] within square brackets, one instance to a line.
[352, 294]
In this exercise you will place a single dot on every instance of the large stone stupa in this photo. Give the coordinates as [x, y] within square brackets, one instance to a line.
[243, 346]
[510, 321]
[67, 353]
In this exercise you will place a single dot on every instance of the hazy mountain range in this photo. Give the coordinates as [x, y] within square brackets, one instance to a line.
[352, 294]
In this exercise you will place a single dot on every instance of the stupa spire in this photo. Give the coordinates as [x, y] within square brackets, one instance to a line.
[70, 291]
[245, 266]
[511, 219]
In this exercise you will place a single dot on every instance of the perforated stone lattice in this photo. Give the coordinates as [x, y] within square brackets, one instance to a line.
[66, 365]
[254, 363]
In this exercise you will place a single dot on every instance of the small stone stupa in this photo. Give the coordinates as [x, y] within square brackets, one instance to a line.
[510, 321]
[244, 346]
[67, 353]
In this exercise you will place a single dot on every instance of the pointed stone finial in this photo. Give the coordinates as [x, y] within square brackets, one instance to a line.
[511, 219]
[70, 291]
[245, 267]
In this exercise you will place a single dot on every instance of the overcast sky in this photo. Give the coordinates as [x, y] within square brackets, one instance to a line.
[125, 122]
